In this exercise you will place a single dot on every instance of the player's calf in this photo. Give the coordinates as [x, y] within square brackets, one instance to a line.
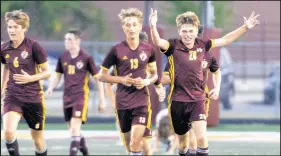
[183, 144]
[13, 147]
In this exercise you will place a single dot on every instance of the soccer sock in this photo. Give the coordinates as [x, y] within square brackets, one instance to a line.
[83, 148]
[13, 147]
[192, 152]
[202, 151]
[135, 153]
[183, 153]
[75, 143]
[41, 153]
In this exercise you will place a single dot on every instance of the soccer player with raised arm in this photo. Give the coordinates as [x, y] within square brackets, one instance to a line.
[185, 57]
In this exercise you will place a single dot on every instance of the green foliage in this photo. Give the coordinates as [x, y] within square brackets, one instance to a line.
[222, 11]
[51, 19]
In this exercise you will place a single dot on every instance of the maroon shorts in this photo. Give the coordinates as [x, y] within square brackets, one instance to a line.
[129, 117]
[78, 109]
[33, 113]
[183, 113]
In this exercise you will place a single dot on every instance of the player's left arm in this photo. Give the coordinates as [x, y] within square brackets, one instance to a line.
[214, 68]
[232, 36]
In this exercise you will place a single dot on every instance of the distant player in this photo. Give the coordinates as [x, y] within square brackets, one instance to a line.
[132, 59]
[25, 64]
[76, 66]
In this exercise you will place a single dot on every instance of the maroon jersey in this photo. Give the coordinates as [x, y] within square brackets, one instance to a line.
[209, 62]
[126, 61]
[28, 56]
[76, 76]
[186, 70]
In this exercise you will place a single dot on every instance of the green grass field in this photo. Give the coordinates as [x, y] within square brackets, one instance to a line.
[226, 127]
[106, 144]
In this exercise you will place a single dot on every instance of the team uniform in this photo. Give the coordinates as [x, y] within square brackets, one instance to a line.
[25, 99]
[187, 93]
[76, 90]
[132, 104]
[209, 63]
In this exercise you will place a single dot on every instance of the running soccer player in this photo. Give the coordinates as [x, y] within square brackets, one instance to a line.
[25, 64]
[131, 59]
[76, 66]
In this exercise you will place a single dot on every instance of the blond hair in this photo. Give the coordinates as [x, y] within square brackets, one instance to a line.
[188, 17]
[19, 17]
[129, 13]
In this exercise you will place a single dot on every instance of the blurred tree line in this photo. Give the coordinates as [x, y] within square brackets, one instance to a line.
[222, 11]
[51, 19]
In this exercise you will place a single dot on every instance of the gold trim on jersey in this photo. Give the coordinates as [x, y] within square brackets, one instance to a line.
[152, 63]
[159, 85]
[42, 97]
[149, 110]
[58, 73]
[212, 44]
[43, 64]
[104, 68]
[166, 49]
[86, 98]
[166, 73]
[96, 75]
[172, 76]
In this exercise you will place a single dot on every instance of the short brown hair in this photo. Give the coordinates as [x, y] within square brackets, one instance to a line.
[131, 12]
[77, 32]
[19, 17]
[188, 17]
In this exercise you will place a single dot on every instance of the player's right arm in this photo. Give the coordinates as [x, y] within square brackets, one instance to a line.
[162, 43]
[110, 60]
[56, 80]
[165, 76]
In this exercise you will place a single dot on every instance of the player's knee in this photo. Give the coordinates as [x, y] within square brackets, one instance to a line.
[147, 151]
[201, 140]
[9, 134]
[135, 143]
[182, 145]
[192, 143]
[75, 131]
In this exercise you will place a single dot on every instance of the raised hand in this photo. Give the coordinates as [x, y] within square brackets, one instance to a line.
[153, 18]
[251, 21]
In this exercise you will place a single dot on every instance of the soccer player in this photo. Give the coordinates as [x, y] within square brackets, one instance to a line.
[209, 63]
[131, 58]
[25, 64]
[111, 89]
[185, 56]
[76, 67]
